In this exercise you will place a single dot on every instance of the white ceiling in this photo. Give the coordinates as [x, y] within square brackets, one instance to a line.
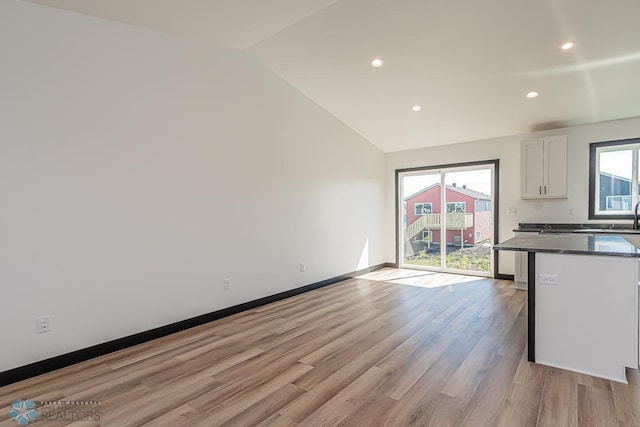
[468, 63]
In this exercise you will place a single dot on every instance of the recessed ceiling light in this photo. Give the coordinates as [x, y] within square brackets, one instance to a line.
[376, 62]
[533, 94]
[568, 45]
[416, 108]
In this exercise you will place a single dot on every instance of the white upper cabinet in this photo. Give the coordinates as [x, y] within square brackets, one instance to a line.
[544, 168]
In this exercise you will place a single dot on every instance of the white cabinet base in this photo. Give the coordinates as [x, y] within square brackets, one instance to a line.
[587, 321]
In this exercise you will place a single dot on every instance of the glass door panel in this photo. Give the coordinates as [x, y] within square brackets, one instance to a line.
[421, 199]
[468, 220]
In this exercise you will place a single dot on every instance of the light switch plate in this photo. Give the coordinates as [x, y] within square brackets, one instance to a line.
[548, 279]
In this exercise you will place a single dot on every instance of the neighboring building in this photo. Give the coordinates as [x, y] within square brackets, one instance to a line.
[615, 193]
[472, 224]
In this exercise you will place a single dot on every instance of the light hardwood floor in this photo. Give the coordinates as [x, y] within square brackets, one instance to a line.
[392, 348]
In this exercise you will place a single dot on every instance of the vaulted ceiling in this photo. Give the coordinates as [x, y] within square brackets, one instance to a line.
[467, 63]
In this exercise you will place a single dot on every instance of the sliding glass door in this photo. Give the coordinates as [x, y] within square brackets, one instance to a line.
[446, 219]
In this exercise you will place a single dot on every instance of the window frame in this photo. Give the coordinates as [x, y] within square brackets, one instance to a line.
[595, 149]
[415, 205]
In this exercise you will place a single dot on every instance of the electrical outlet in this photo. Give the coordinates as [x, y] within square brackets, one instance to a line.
[43, 324]
[226, 284]
[302, 267]
[548, 279]
[512, 211]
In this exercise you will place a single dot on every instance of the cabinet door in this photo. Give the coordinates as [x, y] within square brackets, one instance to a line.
[532, 168]
[555, 167]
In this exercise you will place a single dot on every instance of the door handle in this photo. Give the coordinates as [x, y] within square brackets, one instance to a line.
[540, 190]
[545, 189]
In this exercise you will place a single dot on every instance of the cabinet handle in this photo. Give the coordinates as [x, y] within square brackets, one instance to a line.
[545, 189]
[540, 190]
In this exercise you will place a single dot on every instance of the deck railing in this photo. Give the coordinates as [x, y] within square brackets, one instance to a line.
[455, 221]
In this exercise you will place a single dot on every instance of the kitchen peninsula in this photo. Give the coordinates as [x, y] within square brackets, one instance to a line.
[582, 301]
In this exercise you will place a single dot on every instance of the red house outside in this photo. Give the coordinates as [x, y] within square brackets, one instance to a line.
[458, 200]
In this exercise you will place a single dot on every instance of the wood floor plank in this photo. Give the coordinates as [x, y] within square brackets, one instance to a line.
[330, 365]
[240, 402]
[516, 339]
[200, 369]
[559, 404]
[371, 411]
[157, 402]
[531, 374]
[596, 407]
[313, 399]
[458, 324]
[292, 350]
[442, 411]
[116, 378]
[391, 348]
[178, 344]
[277, 420]
[177, 417]
[488, 400]
[467, 378]
[246, 336]
[347, 400]
[119, 396]
[341, 342]
[267, 407]
[627, 401]
[411, 408]
[409, 361]
[594, 382]
[247, 382]
[521, 407]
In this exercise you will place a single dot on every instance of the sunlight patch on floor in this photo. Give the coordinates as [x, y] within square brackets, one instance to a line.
[423, 279]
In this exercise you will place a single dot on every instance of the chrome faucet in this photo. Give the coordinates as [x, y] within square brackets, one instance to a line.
[635, 216]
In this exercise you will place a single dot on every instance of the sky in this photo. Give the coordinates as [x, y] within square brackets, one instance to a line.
[618, 163]
[478, 180]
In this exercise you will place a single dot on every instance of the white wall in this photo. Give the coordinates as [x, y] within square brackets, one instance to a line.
[507, 150]
[137, 171]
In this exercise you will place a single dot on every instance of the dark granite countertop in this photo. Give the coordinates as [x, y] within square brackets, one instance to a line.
[589, 228]
[579, 244]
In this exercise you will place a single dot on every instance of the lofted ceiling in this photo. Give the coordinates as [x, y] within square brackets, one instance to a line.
[467, 63]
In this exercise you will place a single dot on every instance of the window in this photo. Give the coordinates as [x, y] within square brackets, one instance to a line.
[613, 178]
[422, 208]
[477, 236]
[483, 205]
[427, 235]
[457, 207]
